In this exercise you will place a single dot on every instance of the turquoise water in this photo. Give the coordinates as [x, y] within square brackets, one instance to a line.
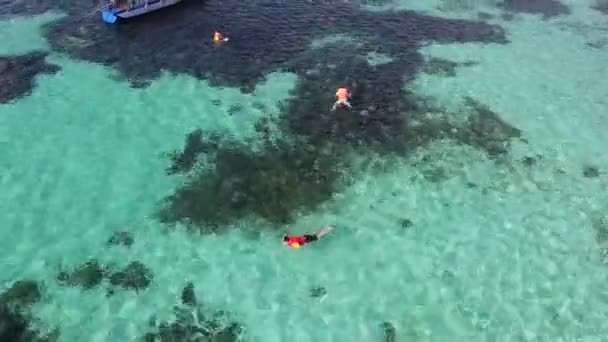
[494, 250]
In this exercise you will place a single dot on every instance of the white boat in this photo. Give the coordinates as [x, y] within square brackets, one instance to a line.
[125, 9]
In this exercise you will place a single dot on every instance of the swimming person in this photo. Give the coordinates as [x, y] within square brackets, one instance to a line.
[218, 37]
[296, 241]
[343, 96]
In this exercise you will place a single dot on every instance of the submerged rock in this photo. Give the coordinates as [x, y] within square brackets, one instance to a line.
[15, 316]
[12, 325]
[235, 109]
[318, 291]
[531, 161]
[192, 324]
[406, 223]
[135, 276]
[230, 333]
[88, 275]
[121, 238]
[22, 293]
[591, 171]
[195, 144]
[17, 74]
[486, 130]
[390, 333]
[188, 296]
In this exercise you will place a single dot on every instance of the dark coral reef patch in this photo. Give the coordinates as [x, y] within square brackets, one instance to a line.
[87, 275]
[591, 171]
[195, 323]
[15, 316]
[239, 181]
[228, 180]
[135, 276]
[288, 176]
[121, 238]
[389, 332]
[602, 6]
[264, 36]
[18, 73]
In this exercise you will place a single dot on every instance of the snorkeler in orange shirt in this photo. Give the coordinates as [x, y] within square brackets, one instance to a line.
[296, 241]
[343, 96]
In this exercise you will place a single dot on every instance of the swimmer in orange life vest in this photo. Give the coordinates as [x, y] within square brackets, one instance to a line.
[343, 95]
[218, 37]
[296, 241]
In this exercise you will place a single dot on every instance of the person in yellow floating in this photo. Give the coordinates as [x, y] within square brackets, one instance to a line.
[343, 96]
[218, 37]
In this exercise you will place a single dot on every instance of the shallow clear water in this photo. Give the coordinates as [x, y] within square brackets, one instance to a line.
[494, 250]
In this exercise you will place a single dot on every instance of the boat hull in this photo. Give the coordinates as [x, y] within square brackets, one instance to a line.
[112, 15]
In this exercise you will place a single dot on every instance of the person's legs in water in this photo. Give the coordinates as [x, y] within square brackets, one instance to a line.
[342, 103]
[323, 231]
[316, 236]
[347, 104]
[310, 238]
